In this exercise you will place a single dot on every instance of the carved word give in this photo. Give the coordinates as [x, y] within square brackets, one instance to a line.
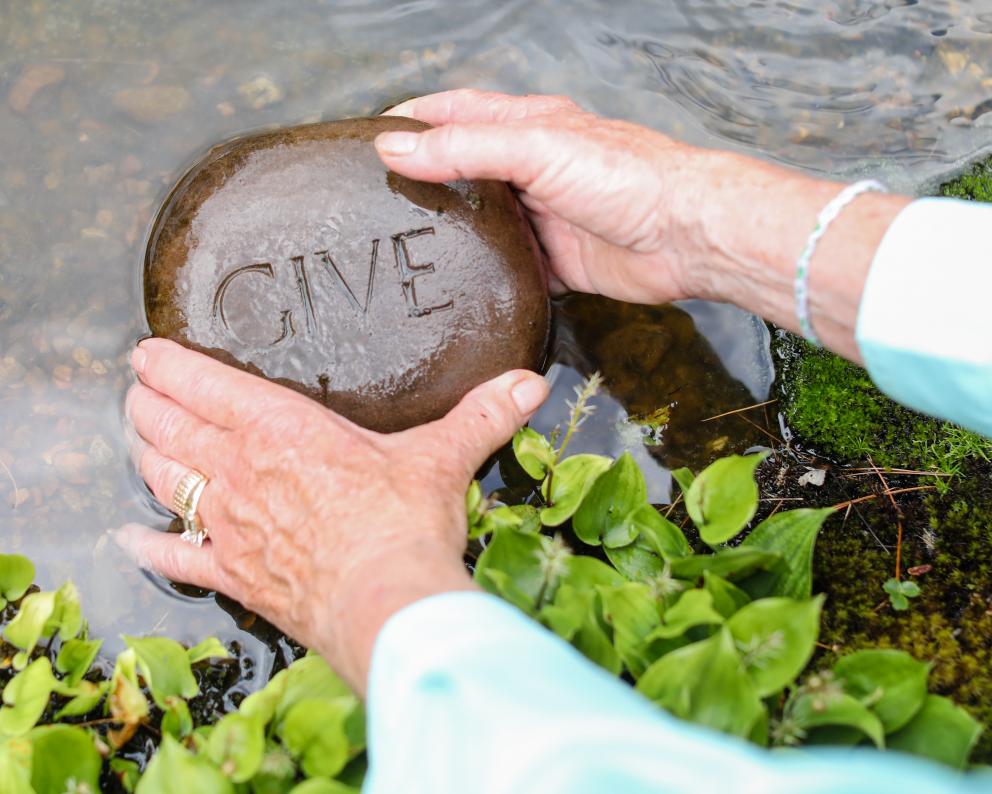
[408, 272]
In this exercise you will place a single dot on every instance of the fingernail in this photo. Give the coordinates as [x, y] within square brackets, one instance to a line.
[397, 144]
[138, 359]
[529, 393]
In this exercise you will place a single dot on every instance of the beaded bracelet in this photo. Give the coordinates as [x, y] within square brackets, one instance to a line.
[825, 218]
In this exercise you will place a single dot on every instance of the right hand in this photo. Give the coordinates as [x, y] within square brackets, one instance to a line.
[609, 200]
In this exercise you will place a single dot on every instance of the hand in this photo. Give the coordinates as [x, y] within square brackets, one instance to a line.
[625, 212]
[322, 527]
[608, 200]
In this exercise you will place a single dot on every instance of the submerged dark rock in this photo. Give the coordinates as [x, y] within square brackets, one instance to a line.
[297, 256]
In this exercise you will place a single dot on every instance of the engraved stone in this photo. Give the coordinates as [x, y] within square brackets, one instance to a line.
[296, 255]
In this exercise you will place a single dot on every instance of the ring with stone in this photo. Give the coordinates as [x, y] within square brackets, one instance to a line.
[184, 503]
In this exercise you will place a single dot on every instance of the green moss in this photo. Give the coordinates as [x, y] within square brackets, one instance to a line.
[950, 624]
[835, 409]
[975, 185]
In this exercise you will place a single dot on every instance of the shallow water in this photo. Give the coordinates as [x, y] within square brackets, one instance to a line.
[103, 104]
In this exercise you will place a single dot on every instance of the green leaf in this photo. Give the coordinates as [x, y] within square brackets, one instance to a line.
[75, 658]
[694, 608]
[661, 534]
[615, 494]
[237, 746]
[25, 698]
[64, 759]
[588, 572]
[176, 719]
[727, 597]
[510, 567]
[210, 648]
[67, 618]
[776, 638]
[319, 785]
[891, 683]
[724, 497]
[16, 576]
[704, 683]
[86, 697]
[735, 563]
[633, 612]
[817, 710]
[313, 731]
[15, 767]
[126, 701]
[164, 666]
[684, 478]
[310, 677]
[569, 483]
[174, 770]
[126, 771]
[900, 592]
[575, 616]
[522, 518]
[637, 562]
[939, 730]
[534, 452]
[792, 534]
[28, 625]
[475, 503]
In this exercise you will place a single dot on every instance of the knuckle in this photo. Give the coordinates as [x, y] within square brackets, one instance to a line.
[167, 427]
[155, 470]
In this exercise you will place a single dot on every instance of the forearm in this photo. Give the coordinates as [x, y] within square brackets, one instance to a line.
[750, 227]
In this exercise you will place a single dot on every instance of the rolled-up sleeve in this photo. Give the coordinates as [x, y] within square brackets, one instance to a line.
[925, 320]
[467, 694]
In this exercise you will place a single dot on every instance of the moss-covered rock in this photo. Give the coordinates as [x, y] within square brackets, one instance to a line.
[834, 407]
[975, 185]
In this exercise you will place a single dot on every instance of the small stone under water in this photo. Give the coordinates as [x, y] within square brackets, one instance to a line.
[298, 256]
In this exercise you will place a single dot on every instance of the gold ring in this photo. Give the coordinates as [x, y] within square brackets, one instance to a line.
[185, 500]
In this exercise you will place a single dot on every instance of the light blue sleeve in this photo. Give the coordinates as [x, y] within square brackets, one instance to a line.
[925, 320]
[467, 694]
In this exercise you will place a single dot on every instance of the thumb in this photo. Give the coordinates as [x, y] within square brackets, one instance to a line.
[488, 416]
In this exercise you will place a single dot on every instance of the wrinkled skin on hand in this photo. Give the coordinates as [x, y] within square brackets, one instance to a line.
[613, 203]
[319, 525]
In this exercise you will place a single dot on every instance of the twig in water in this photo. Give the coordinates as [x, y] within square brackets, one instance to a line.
[758, 427]
[739, 410]
[13, 482]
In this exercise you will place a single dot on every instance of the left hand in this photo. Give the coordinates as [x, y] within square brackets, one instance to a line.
[322, 527]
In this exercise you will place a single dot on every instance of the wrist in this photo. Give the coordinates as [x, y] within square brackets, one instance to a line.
[371, 593]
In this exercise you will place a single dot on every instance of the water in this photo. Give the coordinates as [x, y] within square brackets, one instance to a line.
[103, 104]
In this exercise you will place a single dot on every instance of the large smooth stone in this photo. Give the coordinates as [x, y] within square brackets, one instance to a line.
[297, 256]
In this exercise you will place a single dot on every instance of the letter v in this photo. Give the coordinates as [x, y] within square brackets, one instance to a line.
[325, 257]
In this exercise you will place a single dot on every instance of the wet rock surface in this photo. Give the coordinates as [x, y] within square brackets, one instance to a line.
[298, 256]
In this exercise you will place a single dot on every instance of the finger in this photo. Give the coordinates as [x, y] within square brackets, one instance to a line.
[163, 475]
[471, 105]
[216, 392]
[165, 554]
[510, 152]
[173, 430]
[488, 416]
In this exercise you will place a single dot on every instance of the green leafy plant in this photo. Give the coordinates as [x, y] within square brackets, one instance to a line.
[722, 635]
[899, 592]
[65, 727]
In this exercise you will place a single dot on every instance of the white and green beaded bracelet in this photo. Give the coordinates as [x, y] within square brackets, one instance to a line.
[825, 218]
